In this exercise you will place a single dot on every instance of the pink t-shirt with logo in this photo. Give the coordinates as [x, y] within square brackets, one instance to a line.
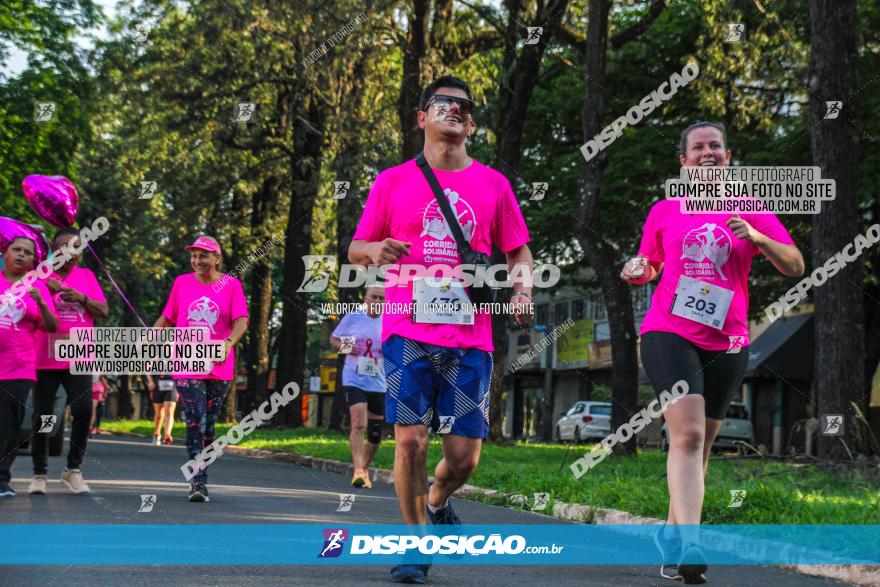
[402, 206]
[702, 247]
[70, 314]
[20, 320]
[194, 304]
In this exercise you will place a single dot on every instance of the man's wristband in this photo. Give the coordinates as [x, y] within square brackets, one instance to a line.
[84, 301]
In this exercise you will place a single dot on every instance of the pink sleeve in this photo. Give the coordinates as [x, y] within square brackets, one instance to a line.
[50, 302]
[95, 292]
[652, 241]
[170, 311]
[373, 226]
[239, 302]
[509, 230]
[770, 226]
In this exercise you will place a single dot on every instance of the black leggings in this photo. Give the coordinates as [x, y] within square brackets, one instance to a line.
[79, 398]
[716, 375]
[99, 413]
[13, 395]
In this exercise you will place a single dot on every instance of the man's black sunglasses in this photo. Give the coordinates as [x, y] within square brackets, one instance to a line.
[466, 106]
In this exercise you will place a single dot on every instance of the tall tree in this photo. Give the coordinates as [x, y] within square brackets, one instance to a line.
[414, 45]
[263, 209]
[840, 345]
[432, 44]
[518, 81]
[599, 251]
[56, 72]
[348, 141]
[624, 378]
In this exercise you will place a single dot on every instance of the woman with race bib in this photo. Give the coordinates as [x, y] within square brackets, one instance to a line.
[197, 301]
[697, 331]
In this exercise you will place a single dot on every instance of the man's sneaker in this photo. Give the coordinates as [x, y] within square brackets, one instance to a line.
[38, 485]
[410, 573]
[199, 492]
[361, 478]
[670, 552]
[74, 480]
[692, 566]
[6, 489]
[157, 440]
[668, 571]
[444, 515]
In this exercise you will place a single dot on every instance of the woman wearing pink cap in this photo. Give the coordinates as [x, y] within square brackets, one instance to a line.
[20, 318]
[201, 299]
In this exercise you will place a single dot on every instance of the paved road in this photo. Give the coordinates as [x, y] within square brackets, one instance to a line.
[246, 490]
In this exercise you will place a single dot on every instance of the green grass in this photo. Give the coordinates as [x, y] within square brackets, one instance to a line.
[776, 493]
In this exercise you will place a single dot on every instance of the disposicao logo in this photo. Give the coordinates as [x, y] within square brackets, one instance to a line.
[334, 542]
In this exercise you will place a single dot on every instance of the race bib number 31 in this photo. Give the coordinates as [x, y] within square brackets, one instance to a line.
[701, 302]
[369, 366]
[446, 303]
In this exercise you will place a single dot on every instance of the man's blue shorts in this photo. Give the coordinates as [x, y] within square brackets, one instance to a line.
[442, 387]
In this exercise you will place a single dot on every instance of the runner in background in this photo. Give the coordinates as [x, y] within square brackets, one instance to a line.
[363, 379]
[163, 396]
[193, 302]
[437, 367]
[100, 389]
[78, 301]
[696, 330]
[20, 319]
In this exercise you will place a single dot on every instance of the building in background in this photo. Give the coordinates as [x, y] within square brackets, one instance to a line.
[580, 358]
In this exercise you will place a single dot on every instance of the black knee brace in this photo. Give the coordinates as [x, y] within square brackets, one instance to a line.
[374, 431]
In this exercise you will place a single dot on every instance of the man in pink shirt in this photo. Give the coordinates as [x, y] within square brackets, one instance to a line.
[78, 300]
[20, 319]
[438, 368]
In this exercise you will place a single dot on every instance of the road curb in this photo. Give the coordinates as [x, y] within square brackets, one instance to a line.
[863, 575]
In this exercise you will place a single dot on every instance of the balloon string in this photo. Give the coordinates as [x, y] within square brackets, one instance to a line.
[113, 281]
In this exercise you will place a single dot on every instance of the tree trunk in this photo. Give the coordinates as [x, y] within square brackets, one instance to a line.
[414, 50]
[305, 172]
[348, 209]
[260, 281]
[232, 396]
[347, 214]
[603, 259]
[840, 343]
[515, 95]
[872, 342]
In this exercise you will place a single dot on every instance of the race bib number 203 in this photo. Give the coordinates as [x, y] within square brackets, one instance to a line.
[701, 302]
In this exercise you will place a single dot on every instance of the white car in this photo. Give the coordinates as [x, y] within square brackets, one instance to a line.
[585, 421]
[736, 426]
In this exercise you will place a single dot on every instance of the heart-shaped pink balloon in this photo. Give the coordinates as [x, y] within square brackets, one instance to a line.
[53, 198]
[11, 229]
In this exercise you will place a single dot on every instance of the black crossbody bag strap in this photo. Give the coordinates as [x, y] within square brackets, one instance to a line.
[443, 202]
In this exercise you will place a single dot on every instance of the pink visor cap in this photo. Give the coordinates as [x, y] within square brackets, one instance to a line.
[205, 243]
